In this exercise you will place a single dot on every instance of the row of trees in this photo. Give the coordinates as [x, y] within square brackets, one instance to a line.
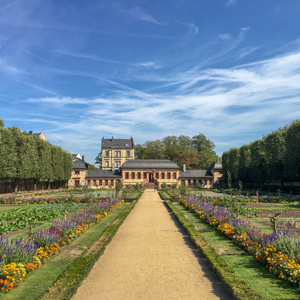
[27, 157]
[273, 159]
[196, 152]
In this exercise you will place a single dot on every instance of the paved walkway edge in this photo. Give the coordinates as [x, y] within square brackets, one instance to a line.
[239, 288]
[68, 284]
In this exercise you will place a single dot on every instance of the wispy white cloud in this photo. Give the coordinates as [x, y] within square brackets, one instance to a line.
[149, 64]
[237, 98]
[247, 51]
[225, 36]
[139, 14]
[34, 86]
[8, 68]
[231, 2]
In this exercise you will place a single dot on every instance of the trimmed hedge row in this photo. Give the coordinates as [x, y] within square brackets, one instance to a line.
[272, 160]
[27, 157]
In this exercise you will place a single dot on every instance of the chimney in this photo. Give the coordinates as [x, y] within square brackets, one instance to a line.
[132, 142]
[83, 157]
[30, 132]
[184, 167]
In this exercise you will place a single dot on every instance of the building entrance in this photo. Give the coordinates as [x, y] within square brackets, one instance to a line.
[151, 177]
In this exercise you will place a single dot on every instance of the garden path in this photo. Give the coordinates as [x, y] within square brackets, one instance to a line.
[150, 257]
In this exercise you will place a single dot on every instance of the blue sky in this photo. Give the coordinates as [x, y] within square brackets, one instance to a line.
[81, 70]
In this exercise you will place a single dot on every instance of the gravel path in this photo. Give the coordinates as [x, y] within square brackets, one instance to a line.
[151, 258]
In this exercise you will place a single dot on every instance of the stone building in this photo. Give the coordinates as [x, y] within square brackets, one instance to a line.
[150, 172]
[115, 152]
[78, 176]
[118, 164]
[41, 135]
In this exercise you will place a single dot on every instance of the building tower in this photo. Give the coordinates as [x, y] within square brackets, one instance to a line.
[115, 152]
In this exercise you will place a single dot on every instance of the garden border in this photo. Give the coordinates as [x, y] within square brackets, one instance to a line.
[239, 288]
[66, 286]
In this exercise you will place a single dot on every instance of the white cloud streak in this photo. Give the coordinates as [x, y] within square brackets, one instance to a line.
[240, 99]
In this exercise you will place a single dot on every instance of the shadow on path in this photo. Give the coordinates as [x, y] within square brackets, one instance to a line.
[218, 288]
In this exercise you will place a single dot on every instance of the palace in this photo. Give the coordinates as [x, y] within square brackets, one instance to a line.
[119, 164]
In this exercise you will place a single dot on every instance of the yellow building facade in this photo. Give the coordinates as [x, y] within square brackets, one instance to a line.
[115, 152]
[150, 171]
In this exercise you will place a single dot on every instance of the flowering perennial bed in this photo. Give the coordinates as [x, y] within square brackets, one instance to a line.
[22, 256]
[51, 200]
[279, 252]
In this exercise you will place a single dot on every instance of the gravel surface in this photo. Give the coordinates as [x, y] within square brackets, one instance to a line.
[150, 257]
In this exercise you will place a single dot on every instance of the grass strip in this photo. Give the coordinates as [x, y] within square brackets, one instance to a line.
[242, 263]
[61, 276]
[239, 288]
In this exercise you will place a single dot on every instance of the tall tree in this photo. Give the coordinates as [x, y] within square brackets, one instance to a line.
[200, 142]
[274, 154]
[234, 157]
[292, 156]
[244, 165]
[154, 150]
[170, 141]
[182, 150]
[226, 167]
[185, 141]
[257, 164]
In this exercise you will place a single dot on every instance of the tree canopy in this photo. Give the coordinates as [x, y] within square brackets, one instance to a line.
[196, 152]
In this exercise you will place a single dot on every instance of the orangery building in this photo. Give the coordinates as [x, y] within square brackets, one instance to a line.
[119, 164]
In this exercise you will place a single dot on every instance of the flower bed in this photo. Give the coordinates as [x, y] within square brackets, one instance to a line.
[22, 256]
[279, 252]
[51, 200]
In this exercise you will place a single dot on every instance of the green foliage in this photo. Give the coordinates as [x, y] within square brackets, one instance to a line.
[1, 123]
[234, 156]
[92, 167]
[98, 160]
[164, 186]
[15, 219]
[257, 173]
[182, 190]
[274, 155]
[196, 152]
[118, 187]
[127, 192]
[292, 157]
[27, 157]
[244, 165]
[274, 158]
[9, 155]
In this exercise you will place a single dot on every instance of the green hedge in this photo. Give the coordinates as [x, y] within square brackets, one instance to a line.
[274, 158]
[27, 157]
